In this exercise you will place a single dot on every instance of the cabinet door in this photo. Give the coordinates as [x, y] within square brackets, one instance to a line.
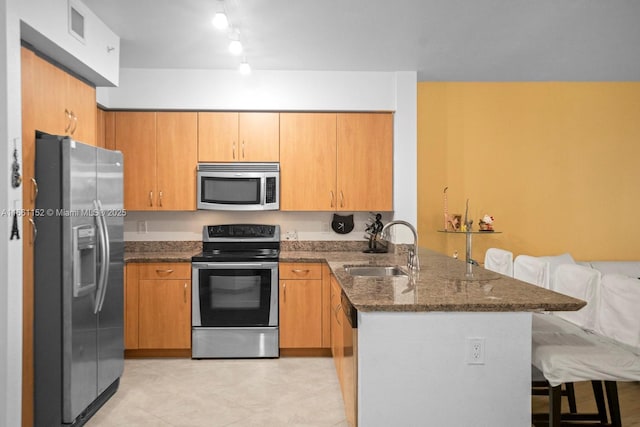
[136, 138]
[105, 129]
[365, 161]
[300, 314]
[47, 96]
[348, 382]
[80, 101]
[176, 160]
[307, 161]
[164, 314]
[336, 327]
[259, 137]
[217, 137]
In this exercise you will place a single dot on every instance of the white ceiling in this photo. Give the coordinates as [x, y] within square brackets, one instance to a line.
[468, 40]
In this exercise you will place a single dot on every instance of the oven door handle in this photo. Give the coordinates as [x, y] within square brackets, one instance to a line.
[219, 265]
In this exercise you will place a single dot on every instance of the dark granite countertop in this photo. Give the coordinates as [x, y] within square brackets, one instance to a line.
[178, 251]
[440, 285]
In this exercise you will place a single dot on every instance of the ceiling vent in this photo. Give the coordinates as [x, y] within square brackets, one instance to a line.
[76, 21]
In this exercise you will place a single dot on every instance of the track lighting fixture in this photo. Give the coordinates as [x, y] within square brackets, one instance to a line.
[220, 20]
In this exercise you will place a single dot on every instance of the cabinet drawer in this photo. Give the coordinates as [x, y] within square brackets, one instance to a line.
[165, 270]
[300, 270]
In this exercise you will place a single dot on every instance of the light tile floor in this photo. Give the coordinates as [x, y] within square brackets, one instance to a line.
[218, 392]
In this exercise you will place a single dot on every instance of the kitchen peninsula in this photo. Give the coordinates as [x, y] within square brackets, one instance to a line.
[413, 339]
[413, 335]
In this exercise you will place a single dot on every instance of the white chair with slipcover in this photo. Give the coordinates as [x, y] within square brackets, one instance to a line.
[499, 260]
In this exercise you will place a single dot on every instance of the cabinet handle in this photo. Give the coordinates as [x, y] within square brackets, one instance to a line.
[284, 292]
[185, 293]
[160, 199]
[150, 198]
[243, 149]
[341, 199]
[331, 199]
[34, 192]
[297, 270]
[234, 150]
[75, 122]
[34, 231]
[338, 317]
[168, 271]
[68, 114]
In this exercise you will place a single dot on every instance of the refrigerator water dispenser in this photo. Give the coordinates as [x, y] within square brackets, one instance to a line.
[84, 260]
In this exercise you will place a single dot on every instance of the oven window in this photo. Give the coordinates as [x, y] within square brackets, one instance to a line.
[230, 191]
[235, 297]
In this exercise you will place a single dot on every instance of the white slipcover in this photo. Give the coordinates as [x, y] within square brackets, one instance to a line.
[628, 268]
[499, 260]
[619, 313]
[579, 282]
[532, 270]
[554, 262]
[565, 357]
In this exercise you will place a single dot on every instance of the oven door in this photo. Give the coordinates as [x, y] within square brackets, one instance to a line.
[235, 294]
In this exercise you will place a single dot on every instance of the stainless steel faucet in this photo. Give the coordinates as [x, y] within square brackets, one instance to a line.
[413, 263]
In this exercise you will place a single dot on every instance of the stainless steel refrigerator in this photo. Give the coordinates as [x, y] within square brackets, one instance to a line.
[78, 286]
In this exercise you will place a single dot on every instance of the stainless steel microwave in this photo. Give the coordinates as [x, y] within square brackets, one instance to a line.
[239, 186]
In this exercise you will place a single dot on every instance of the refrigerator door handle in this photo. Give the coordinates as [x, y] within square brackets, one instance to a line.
[107, 241]
[103, 257]
[107, 259]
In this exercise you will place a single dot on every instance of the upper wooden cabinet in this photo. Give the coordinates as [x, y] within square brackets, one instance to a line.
[365, 161]
[238, 137]
[341, 162]
[105, 129]
[307, 161]
[160, 157]
[57, 102]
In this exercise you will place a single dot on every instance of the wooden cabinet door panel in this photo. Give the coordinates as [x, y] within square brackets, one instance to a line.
[259, 137]
[176, 160]
[336, 327]
[365, 161]
[136, 138]
[164, 318]
[300, 314]
[307, 161]
[217, 137]
[81, 103]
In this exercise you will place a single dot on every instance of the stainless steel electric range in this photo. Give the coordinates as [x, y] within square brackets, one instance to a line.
[235, 292]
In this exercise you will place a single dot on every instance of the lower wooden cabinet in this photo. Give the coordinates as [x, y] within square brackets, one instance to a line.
[344, 347]
[158, 306]
[301, 305]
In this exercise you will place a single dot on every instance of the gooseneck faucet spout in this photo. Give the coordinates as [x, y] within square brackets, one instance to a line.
[413, 263]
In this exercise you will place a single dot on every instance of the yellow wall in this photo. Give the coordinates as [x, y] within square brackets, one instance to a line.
[557, 164]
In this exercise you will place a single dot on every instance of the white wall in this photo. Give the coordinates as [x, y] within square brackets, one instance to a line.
[44, 24]
[277, 91]
[413, 371]
[10, 250]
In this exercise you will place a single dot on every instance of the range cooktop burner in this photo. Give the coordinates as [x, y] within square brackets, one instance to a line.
[239, 243]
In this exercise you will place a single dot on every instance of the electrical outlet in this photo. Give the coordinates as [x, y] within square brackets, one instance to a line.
[475, 351]
[142, 227]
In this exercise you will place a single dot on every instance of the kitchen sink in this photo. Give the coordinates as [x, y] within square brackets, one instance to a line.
[375, 270]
